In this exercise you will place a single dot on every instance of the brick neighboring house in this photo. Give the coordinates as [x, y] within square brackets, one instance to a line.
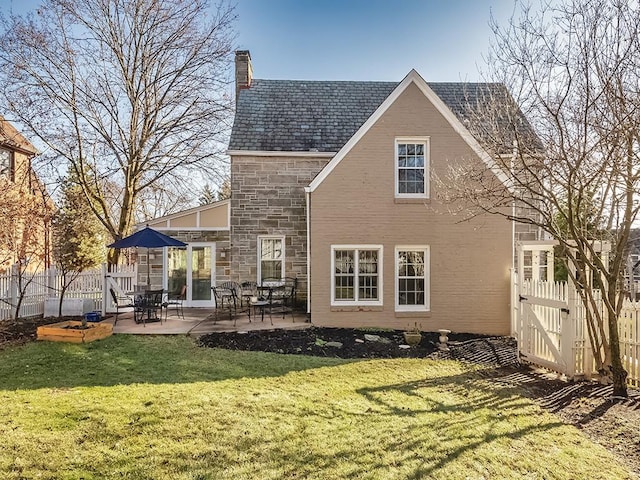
[330, 183]
[26, 207]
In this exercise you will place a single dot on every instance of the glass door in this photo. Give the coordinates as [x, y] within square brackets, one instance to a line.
[176, 269]
[201, 256]
[195, 267]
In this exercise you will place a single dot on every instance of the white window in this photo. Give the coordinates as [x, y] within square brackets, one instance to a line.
[412, 168]
[356, 275]
[270, 258]
[6, 163]
[412, 279]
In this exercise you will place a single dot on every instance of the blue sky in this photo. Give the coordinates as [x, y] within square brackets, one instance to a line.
[444, 40]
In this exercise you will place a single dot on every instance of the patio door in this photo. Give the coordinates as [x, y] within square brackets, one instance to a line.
[193, 265]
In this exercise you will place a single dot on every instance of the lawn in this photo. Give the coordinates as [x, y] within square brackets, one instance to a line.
[144, 407]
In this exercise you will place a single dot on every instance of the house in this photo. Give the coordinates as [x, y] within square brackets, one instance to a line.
[25, 205]
[332, 183]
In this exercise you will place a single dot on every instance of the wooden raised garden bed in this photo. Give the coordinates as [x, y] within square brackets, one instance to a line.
[74, 332]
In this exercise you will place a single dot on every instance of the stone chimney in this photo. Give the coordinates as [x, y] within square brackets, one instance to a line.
[244, 71]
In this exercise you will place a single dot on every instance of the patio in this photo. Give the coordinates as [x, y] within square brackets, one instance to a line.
[200, 321]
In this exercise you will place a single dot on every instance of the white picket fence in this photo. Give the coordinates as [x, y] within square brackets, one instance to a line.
[40, 286]
[551, 329]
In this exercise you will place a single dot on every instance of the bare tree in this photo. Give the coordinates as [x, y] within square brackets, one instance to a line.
[573, 68]
[123, 93]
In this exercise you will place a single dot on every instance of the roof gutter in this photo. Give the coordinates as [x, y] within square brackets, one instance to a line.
[270, 153]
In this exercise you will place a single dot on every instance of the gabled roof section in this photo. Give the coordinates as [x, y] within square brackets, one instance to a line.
[455, 114]
[11, 138]
[303, 116]
[306, 117]
[213, 216]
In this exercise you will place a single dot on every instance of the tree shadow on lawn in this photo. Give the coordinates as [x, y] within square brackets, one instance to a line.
[460, 428]
[130, 359]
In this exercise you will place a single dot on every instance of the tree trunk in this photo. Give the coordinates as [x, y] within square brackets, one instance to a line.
[618, 373]
[113, 256]
[62, 292]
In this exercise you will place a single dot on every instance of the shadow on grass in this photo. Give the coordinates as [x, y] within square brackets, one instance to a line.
[472, 412]
[128, 359]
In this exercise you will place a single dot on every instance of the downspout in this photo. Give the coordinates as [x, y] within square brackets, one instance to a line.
[307, 192]
[514, 327]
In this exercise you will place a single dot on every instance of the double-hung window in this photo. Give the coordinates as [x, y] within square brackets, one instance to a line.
[356, 275]
[412, 279]
[270, 258]
[412, 168]
[6, 163]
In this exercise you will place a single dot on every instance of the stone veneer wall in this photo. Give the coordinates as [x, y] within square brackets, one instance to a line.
[268, 198]
[221, 237]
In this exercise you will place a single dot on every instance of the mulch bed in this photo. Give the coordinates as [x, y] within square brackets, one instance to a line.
[323, 342]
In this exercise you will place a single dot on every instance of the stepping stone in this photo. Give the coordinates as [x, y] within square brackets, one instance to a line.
[371, 338]
[334, 344]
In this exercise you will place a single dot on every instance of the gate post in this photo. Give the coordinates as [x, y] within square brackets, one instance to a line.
[105, 290]
[567, 341]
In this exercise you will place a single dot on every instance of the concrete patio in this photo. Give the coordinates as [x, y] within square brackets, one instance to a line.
[200, 321]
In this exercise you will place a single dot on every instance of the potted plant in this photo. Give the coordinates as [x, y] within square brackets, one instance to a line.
[412, 335]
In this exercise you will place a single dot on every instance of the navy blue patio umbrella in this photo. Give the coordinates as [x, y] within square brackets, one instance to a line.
[147, 238]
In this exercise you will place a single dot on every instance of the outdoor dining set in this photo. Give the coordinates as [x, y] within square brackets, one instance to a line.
[273, 295]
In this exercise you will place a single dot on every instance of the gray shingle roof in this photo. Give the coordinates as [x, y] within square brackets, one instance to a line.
[302, 116]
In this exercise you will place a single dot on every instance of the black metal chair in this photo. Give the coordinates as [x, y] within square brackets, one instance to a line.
[248, 290]
[224, 295]
[281, 294]
[177, 298]
[120, 302]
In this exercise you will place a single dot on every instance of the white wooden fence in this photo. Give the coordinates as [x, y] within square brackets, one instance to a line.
[39, 286]
[549, 323]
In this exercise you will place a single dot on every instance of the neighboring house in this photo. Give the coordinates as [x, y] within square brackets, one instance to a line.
[332, 183]
[26, 208]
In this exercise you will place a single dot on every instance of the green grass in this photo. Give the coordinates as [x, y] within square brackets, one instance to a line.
[143, 407]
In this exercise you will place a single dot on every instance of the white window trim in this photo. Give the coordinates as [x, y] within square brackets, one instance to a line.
[427, 166]
[364, 303]
[427, 279]
[259, 254]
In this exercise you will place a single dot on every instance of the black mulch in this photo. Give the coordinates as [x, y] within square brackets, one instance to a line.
[358, 343]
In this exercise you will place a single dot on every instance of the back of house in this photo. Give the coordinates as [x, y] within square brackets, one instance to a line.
[333, 183]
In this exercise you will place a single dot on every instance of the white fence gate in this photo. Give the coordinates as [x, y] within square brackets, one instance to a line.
[549, 322]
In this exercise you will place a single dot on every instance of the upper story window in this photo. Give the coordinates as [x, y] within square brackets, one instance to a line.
[6, 163]
[412, 168]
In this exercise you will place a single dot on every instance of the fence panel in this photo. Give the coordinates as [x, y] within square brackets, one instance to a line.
[48, 284]
[629, 331]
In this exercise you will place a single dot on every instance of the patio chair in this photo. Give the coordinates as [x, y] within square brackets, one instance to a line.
[176, 298]
[224, 296]
[247, 291]
[281, 296]
[120, 302]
